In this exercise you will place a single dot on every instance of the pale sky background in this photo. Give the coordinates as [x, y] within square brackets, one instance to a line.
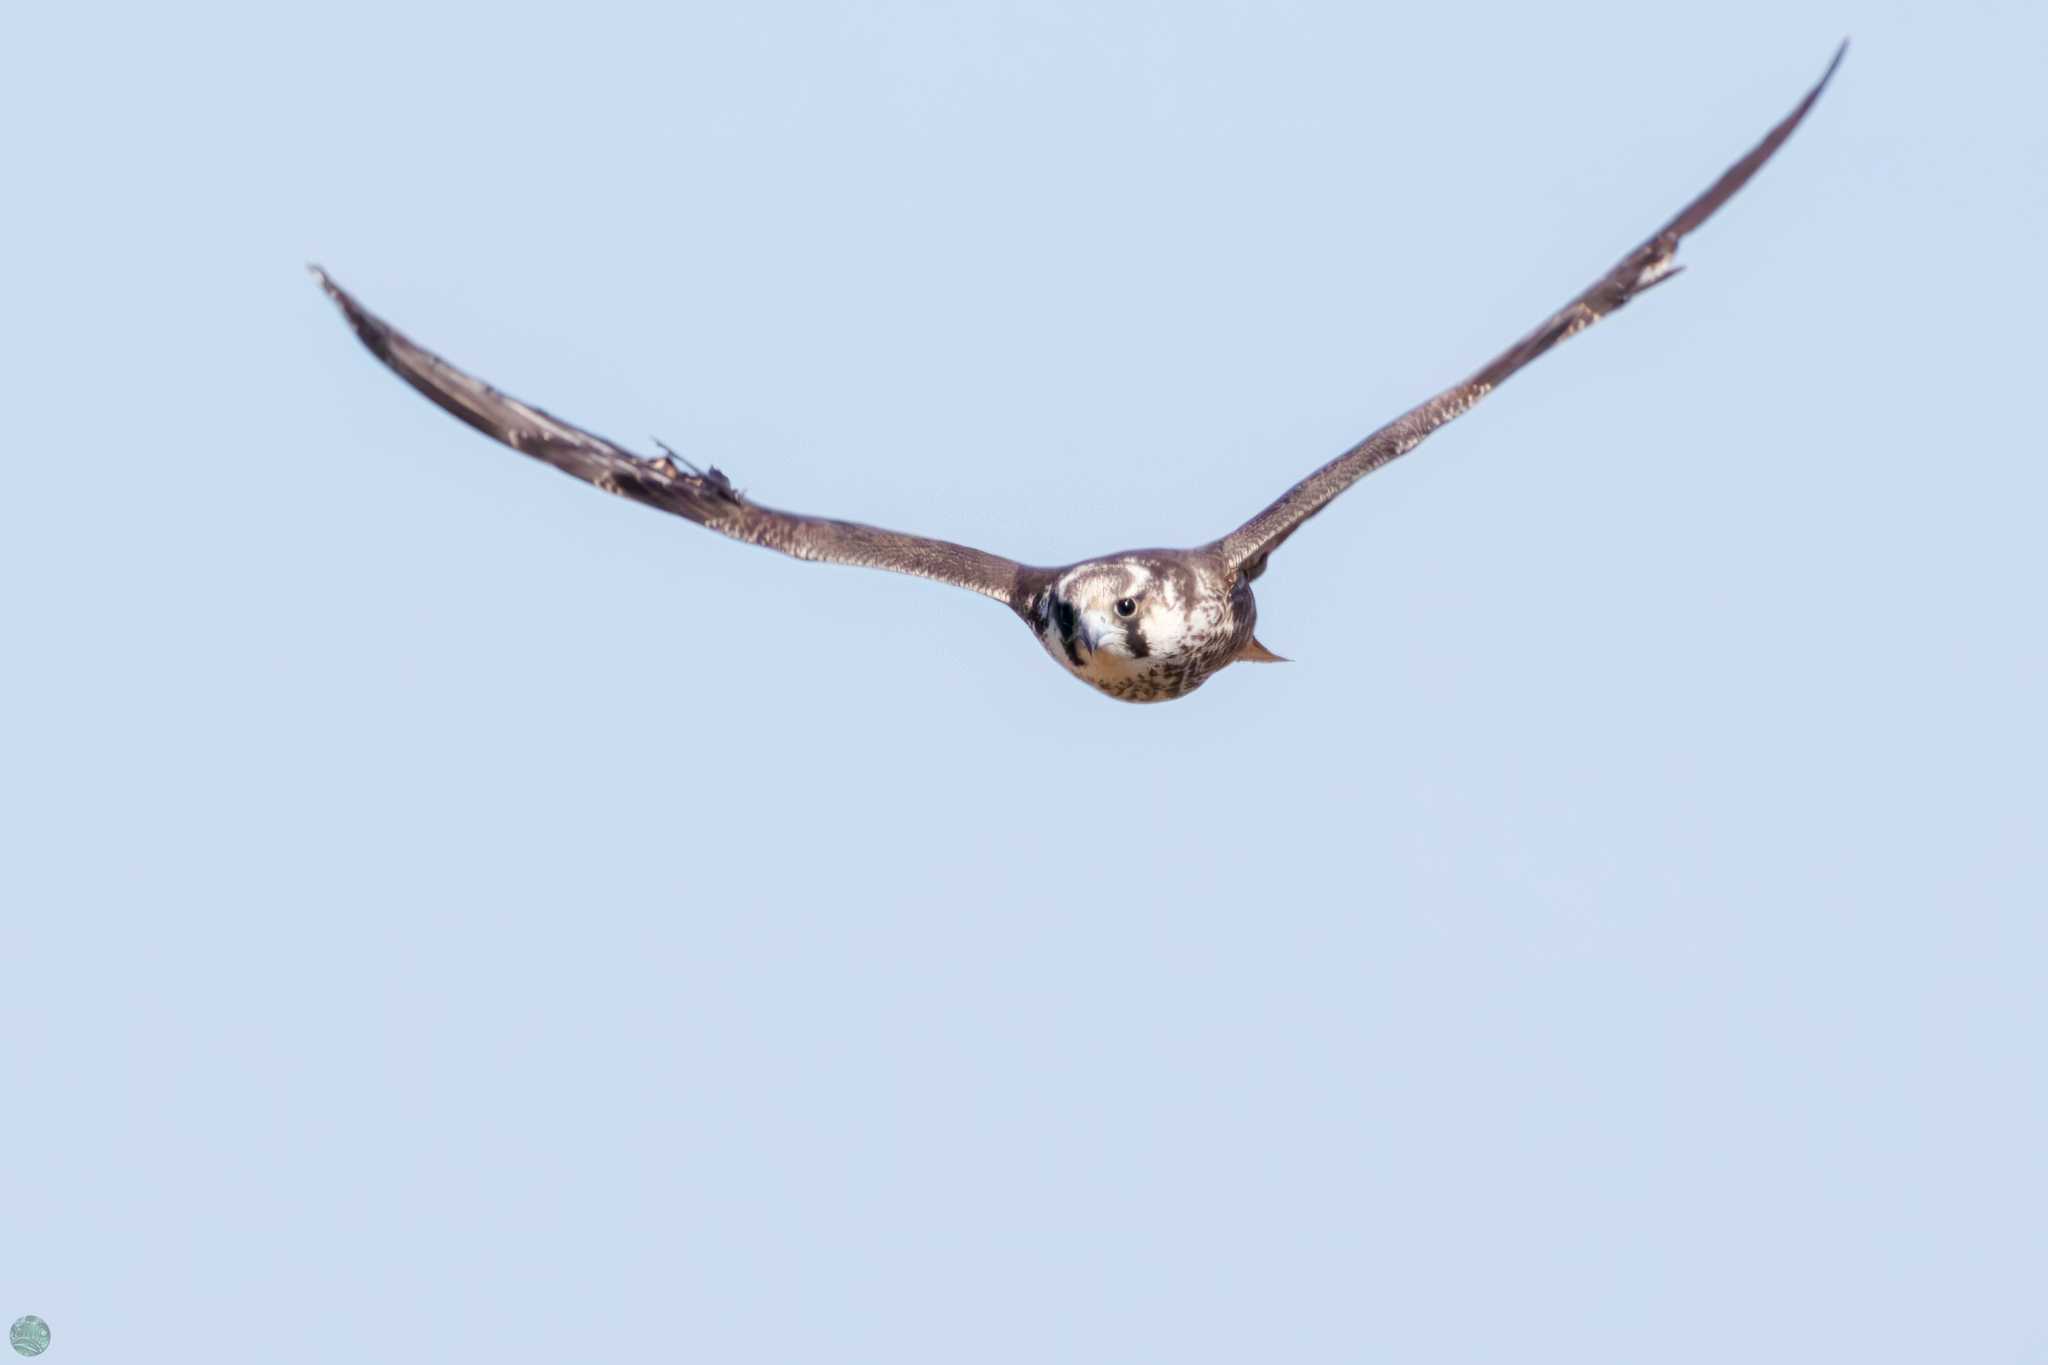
[455, 915]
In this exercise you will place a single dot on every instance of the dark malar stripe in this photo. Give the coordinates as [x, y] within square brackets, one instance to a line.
[1134, 636]
[1065, 619]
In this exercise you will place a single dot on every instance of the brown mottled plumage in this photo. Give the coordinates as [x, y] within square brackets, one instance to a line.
[1144, 625]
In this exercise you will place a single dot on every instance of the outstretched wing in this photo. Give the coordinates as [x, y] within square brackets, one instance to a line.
[1649, 264]
[707, 497]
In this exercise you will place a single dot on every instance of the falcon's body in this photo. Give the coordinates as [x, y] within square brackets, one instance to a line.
[1143, 625]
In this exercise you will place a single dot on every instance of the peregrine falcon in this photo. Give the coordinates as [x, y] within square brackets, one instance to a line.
[1143, 625]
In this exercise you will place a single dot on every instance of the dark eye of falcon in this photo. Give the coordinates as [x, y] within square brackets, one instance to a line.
[1126, 606]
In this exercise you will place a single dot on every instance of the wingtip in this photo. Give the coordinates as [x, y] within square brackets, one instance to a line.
[1841, 51]
[369, 328]
[327, 284]
[357, 316]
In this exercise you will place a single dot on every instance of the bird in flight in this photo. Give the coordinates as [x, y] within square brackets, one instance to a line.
[1143, 625]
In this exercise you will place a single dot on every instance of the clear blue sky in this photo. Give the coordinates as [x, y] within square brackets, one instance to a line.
[454, 915]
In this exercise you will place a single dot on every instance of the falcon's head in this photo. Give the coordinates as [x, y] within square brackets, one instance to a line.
[1138, 626]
